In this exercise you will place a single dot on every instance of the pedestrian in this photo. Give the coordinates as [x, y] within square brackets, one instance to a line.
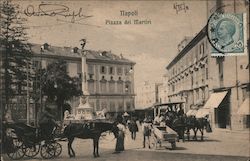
[121, 135]
[133, 128]
[180, 113]
[47, 124]
[146, 130]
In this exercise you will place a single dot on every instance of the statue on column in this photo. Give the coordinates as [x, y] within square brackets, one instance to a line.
[83, 43]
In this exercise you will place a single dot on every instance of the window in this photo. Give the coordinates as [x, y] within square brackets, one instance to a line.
[97, 105]
[119, 70]
[112, 106]
[221, 75]
[91, 76]
[79, 68]
[192, 80]
[103, 105]
[112, 86]
[120, 87]
[90, 69]
[197, 94]
[120, 107]
[110, 70]
[128, 105]
[206, 73]
[173, 88]
[126, 70]
[91, 87]
[103, 69]
[103, 85]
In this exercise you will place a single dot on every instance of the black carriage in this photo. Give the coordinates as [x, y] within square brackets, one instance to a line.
[24, 140]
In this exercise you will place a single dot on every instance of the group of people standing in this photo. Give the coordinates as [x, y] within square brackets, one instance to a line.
[133, 128]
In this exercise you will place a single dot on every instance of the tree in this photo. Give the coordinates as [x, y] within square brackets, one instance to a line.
[58, 86]
[16, 52]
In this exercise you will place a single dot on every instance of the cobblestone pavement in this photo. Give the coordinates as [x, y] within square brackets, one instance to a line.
[218, 145]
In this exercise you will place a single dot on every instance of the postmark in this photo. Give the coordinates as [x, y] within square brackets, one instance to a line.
[226, 34]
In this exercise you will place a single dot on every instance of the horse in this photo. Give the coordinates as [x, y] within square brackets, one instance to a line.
[177, 123]
[196, 124]
[92, 130]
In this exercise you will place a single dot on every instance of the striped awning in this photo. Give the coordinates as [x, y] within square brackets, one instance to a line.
[215, 99]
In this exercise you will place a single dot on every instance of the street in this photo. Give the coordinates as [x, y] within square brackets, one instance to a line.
[217, 146]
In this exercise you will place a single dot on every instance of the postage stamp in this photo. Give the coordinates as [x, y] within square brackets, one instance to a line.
[226, 34]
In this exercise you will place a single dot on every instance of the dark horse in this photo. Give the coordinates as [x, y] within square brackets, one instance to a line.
[92, 130]
[196, 124]
[175, 122]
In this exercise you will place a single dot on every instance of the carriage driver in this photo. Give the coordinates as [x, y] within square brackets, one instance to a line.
[47, 124]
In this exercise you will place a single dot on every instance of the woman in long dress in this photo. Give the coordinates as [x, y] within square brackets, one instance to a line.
[120, 138]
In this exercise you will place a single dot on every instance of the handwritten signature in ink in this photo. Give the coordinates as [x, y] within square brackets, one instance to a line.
[180, 7]
[53, 10]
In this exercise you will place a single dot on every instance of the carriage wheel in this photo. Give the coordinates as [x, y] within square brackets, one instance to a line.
[51, 150]
[47, 151]
[17, 151]
[57, 149]
[32, 151]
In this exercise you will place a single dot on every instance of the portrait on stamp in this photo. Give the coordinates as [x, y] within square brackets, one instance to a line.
[226, 33]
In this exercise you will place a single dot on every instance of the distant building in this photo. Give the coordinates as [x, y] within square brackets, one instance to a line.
[147, 95]
[109, 79]
[163, 90]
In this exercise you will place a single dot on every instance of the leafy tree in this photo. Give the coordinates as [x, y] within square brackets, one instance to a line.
[16, 52]
[58, 86]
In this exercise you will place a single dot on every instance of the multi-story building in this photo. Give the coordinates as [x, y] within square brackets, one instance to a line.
[147, 95]
[163, 89]
[218, 83]
[109, 79]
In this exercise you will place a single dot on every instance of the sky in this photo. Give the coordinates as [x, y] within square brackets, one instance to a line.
[152, 46]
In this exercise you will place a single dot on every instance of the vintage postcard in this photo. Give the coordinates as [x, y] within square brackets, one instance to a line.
[106, 80]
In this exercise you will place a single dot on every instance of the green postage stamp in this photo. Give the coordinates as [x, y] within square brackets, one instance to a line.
[226, 33]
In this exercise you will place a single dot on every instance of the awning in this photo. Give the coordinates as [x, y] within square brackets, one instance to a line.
[202, 112]
[244, 108]
[191, 113]
[215, 99]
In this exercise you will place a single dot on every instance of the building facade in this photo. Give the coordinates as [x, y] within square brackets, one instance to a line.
[148, 94]
[218, 83]
[163, 90]
[109, 80]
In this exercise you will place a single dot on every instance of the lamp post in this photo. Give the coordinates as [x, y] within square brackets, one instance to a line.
[40, 82]
[28, 95]
[128, 85]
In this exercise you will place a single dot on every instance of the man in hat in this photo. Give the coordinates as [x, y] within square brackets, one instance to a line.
[47, 123]
[146, 130]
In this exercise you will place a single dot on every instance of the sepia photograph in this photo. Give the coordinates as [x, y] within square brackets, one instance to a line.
[128, 80]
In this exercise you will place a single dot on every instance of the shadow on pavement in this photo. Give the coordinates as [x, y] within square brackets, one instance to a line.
[177, 148]
[205, 140]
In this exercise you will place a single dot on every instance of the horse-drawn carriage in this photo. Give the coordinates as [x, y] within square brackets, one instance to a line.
[162, 132]
[21, 140]
[182, 123]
